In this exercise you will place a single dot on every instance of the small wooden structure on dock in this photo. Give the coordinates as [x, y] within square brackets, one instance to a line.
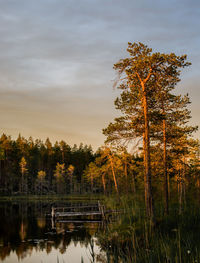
[79, 212]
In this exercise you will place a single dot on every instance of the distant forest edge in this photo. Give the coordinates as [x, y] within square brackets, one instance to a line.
[30, 166]
[34, 167]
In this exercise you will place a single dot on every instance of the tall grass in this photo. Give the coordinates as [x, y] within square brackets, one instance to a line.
[174, 238]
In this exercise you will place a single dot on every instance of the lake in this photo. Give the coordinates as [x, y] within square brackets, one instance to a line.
[28, 235]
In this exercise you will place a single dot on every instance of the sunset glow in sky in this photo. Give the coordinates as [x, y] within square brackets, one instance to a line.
[57, 56]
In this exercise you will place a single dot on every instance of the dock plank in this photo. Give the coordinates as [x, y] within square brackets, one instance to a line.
[67, 214]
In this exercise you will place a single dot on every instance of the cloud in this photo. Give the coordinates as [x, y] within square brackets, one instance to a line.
[56, 59]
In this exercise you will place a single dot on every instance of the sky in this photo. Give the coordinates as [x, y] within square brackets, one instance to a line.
[57, 56]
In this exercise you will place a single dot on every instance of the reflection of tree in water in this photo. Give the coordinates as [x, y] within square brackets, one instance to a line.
[41, 222]
[24, 229]
[23, 250]
[4, 252]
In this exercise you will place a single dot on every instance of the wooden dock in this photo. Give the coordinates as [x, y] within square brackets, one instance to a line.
[79, 212]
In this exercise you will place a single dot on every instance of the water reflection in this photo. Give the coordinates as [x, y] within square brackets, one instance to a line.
[28, 234]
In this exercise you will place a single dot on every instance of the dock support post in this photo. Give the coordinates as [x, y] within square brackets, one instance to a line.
[101, 209]
[53, 212]
[52, 217]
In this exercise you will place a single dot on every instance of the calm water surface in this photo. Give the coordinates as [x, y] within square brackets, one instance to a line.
[28, 235]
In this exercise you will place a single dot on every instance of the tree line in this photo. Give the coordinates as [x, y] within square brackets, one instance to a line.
[34, 167]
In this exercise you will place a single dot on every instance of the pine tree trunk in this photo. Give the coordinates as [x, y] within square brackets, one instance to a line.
[149, 201]
[104, 184]
[133, 184]
[63, 158]
[180, 190]
[126, 173]
[71, 184]
[113, 172]
[22, 184]
[165, 169]
[145, 178]
[184, 181]
[92, 188]
[180, 197]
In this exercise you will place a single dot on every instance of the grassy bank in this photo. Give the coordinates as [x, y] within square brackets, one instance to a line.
[173, 239]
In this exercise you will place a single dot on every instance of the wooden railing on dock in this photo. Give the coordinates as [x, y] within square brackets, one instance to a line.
[83, 211]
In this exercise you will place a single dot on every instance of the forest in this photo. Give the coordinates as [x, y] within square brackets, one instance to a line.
[34, 167]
